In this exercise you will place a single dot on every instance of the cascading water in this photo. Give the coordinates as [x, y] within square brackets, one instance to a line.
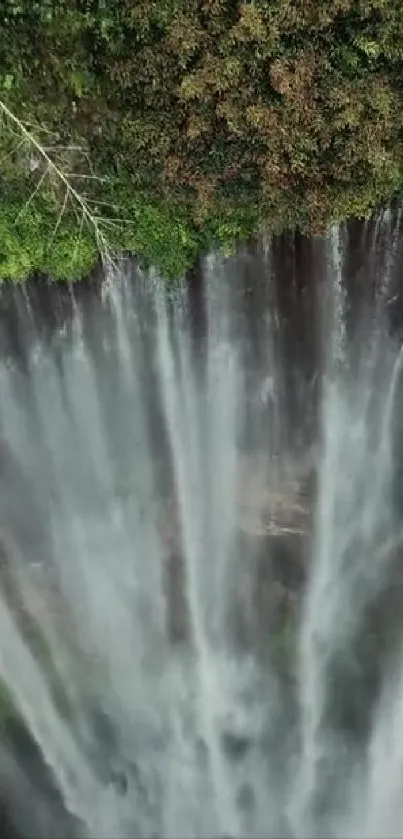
[199, 612]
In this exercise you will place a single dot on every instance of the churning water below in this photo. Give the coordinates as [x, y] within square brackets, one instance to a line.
[201, 513]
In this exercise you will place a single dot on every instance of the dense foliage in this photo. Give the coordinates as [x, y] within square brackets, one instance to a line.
[207, 118]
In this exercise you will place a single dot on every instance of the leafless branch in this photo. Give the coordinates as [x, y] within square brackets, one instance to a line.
[60, 216]
[49, 154]
[33, 193]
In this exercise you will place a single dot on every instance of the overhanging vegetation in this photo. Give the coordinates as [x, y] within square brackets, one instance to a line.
[185, 123]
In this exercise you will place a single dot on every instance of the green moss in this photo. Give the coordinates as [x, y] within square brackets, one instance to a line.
[283, 646]
[8, 709]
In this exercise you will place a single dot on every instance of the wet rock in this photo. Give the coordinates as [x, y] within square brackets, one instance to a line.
[168, 525]
[22, 524]
[120, 782]
[234, 745]
[269, 557]
[29, 791]
[281, 510]
[275, 525]
[266, 586]
[178, 621]
[101, 728]
[245, 798]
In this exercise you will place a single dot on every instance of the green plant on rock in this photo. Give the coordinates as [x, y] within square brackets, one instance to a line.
[8, 708]
[283, 645]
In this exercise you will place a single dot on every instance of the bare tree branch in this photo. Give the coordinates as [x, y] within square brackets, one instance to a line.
[48, 155]
[60, 216]
[33, 193]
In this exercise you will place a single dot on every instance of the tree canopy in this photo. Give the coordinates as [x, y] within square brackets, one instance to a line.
[198, 121]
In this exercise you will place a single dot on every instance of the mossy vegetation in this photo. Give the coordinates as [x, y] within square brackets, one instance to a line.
[8, 708]
[197, 121]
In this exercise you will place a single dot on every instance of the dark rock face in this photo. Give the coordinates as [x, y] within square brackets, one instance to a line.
[8, 830]
[21, 518]
[31, 805]
[235, 746]
[274, 539]
[268, 561]
[178, 620]
[357, 671]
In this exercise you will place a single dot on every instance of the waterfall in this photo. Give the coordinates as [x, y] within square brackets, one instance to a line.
[200, 604]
